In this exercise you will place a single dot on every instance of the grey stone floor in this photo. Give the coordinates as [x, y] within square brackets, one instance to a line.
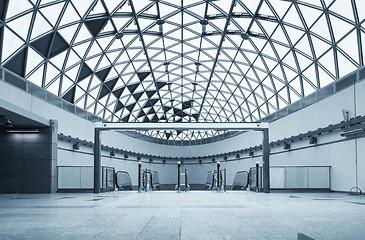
[193, 215]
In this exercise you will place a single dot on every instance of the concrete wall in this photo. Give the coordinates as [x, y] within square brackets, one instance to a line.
[28, 162]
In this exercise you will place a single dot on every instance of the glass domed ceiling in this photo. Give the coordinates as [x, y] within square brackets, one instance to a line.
[206, 61]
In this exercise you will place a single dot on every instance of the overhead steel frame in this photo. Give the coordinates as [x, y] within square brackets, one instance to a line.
[108, 126]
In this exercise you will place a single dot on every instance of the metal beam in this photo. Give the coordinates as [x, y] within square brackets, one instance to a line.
[265, 161]
[97, 160]
[218, 53]
[258, 126]
[135, 17]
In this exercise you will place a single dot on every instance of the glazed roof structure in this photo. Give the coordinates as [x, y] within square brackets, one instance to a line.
[182, 61]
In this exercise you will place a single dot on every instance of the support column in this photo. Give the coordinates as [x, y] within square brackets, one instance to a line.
[139, 176]
[97, 160]
[257, 176]
[53, 150]
[266, 161]
[178, 175]
[218, 176]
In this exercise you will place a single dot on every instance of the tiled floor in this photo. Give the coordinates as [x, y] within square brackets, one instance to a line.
[193, 215]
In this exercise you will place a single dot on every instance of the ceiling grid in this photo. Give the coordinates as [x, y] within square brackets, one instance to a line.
[182, 61]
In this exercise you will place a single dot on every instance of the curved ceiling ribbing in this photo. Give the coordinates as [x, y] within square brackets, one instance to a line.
[182, 60]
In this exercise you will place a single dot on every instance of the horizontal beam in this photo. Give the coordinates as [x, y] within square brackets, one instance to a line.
[256, 126]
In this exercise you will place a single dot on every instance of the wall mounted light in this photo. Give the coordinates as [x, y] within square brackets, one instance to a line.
[312, 140]
[286, 146]
[250, 153]
[112, 153]
[354, 132]
[76, 146]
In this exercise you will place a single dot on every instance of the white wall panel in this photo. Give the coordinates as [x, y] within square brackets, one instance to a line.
[69, 177]
[318, 177]
[277, 177]
[361, 163]
[87, 177]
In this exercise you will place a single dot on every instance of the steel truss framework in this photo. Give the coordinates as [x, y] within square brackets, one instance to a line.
[182, 61]
[107, 126]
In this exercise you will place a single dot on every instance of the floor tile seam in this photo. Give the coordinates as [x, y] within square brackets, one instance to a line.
[140, 233]
[216, 226]
[105, 229]
[254, 227]
[151, 223]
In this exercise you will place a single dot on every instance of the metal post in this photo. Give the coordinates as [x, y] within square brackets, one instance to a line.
[178, 176]
[145, 178]
[266, 161]
[186, 181]
[257, 176]
[139, 176]
[97, 160]
[218, 173]
[225, 180]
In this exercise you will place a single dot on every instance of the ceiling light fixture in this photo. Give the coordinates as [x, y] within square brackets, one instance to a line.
[23, 130]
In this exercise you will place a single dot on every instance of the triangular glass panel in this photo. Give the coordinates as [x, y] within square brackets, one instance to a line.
[17, 63]
[98, 9]
[143, 75]
[103, 92]
[42, 44]
[20, 25]
[82, 6]
[70, 95]
[96, 25]
[34, 59]
[110, 84]
[59, 45]
[40, 26]
[16, 7]
[119, 106]
[118, 92]
[137, 96]
[69, 16]
[103, 74]
[52, 12]
[85, 71]
[133, 87]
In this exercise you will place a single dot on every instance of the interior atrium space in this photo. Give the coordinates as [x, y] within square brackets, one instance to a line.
[190, 119]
